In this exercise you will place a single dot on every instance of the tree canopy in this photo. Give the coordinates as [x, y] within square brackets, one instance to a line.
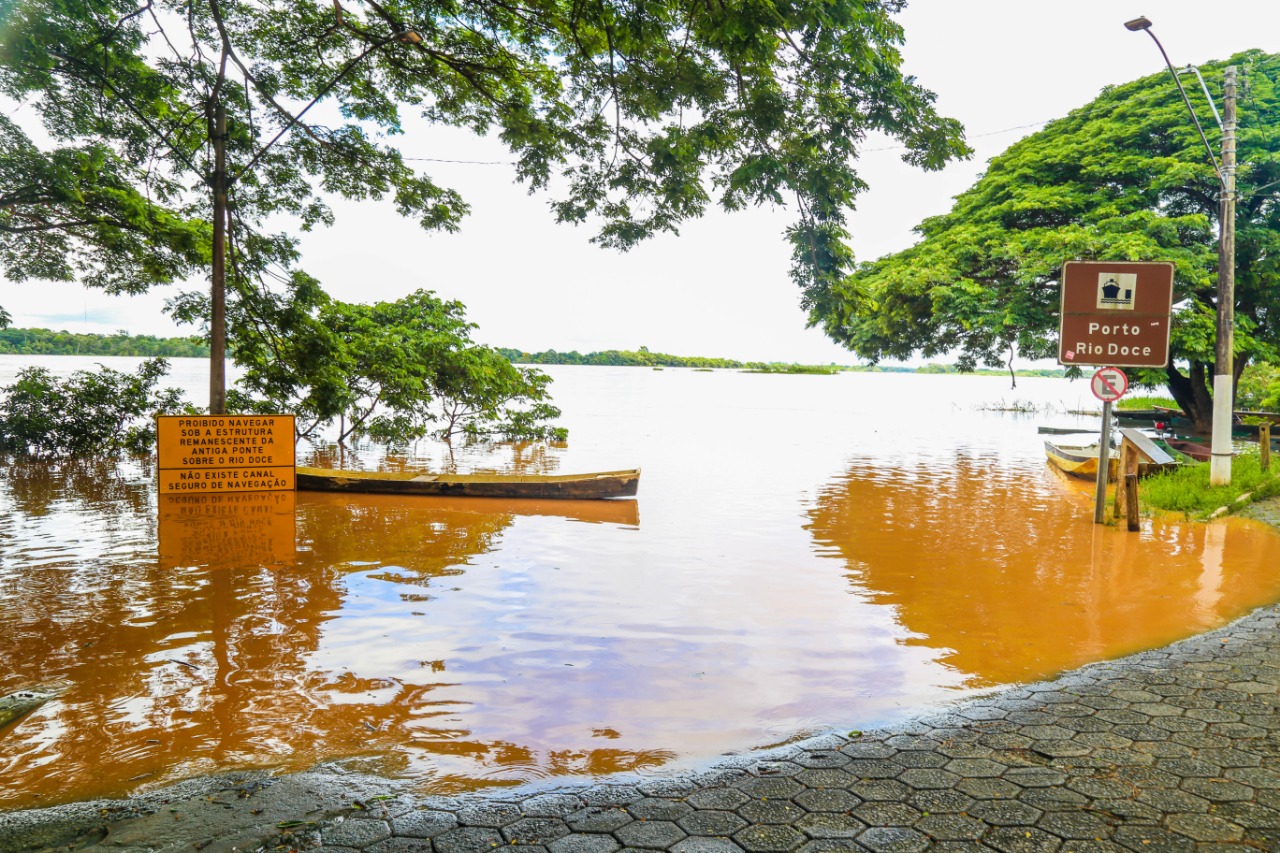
[636, 115]
[1126, 177]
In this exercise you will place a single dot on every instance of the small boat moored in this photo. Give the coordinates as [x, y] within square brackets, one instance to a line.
[1078, 455]
[605, 484]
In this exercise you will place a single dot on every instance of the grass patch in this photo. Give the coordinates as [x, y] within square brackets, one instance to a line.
[1147, 403]
[1186, 490]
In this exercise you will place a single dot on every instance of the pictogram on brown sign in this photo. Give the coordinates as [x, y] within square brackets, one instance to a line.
[1115, 313]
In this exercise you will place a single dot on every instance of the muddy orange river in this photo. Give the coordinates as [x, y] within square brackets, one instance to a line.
[805, 553]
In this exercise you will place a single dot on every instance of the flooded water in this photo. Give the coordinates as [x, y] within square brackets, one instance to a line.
[806, 552]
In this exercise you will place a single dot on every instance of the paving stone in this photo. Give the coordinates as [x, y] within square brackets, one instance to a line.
[668, 788]
[887, 814]
[492, 815]
[828, 825]
[1152, 839]
[1074, 825]
[468, 839]
[773, 787]
[824, 778]
[769, 839]
[649, 835]
[598, 819]
[1009, 839]
[771, 811]
[551, 805]
[881, 790]
[710, 822]
[1006, 813]
[535, 830]
[832, 845]
[717, 798]
[1172, 801]
[400, 845]
[585, 842]
[830, 800]
[611, 795]
[820, 759]
[920, 779]
[975, 768]
[942, 801]
[988, 789]
[426, 823]
[919, 758]
[655, 808]
[706, 845]
[1203, 827]
[873, 749]
[355, 832]
[952, 827]
[1035, 777]
[893, 840]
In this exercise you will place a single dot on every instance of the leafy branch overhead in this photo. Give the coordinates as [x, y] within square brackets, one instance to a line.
[646, 111]
[1123, 178]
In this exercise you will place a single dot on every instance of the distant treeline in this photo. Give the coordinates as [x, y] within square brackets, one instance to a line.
[644, 358]
[46, 342]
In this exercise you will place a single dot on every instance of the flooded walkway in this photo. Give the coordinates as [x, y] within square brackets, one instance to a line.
[1174, 749]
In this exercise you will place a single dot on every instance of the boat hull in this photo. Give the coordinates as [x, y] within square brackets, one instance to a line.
[1082, 462]
[595, 486]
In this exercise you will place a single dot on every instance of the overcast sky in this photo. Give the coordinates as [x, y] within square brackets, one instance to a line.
[720, 288]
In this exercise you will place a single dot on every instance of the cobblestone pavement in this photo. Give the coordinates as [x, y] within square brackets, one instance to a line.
[1170, 750]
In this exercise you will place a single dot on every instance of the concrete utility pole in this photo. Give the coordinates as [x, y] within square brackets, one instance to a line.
[1224, 362]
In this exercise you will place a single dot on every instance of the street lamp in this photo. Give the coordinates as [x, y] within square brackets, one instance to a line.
[1224, 362]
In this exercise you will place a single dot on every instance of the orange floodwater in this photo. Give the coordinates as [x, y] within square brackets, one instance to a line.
[805, 553]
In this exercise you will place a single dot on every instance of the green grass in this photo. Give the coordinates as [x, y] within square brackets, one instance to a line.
[1186, 490]
[1146, 403]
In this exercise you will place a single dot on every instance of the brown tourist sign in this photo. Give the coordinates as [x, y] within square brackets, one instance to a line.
[223, 454]
[1115, 313]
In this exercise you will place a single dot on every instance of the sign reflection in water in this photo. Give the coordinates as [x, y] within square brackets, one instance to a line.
[814, 552]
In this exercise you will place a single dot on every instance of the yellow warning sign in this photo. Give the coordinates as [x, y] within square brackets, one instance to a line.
[214, 454]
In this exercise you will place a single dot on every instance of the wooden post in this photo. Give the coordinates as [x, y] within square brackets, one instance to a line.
[1131, 499]
[1264, 445]
[1118, 508]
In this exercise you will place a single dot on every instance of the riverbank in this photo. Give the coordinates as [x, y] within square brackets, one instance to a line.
[1171, 749]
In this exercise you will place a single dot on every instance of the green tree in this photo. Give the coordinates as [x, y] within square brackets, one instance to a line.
[103, 413]
[642, 112]
[1125, 177]
[393, 371]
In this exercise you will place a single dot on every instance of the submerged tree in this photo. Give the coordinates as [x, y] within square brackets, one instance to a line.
[1125, 177]
[393, 371]
[644, 110]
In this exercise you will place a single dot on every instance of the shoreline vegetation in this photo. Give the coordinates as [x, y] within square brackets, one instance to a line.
[46, 342]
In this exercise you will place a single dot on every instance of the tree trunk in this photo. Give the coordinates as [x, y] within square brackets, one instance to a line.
[1013, 374]
[1192, 395]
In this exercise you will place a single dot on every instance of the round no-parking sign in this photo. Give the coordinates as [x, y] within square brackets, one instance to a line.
[1109, 384]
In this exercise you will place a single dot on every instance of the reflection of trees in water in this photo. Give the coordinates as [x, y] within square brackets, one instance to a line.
[1007, 571]
[193, 664]
[508, 457]
[99, 485]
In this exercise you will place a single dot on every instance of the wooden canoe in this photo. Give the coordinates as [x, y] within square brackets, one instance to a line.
[1080, 458]
[605, 484]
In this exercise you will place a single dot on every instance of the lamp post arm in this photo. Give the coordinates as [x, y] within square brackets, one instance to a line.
[1205, 88]
[1207, 147]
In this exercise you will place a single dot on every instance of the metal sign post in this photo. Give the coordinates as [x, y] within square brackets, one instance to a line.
[1108, 385]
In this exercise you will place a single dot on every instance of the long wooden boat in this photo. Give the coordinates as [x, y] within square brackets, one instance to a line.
[1194, 449]
[605, 484]
[1080, 459]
